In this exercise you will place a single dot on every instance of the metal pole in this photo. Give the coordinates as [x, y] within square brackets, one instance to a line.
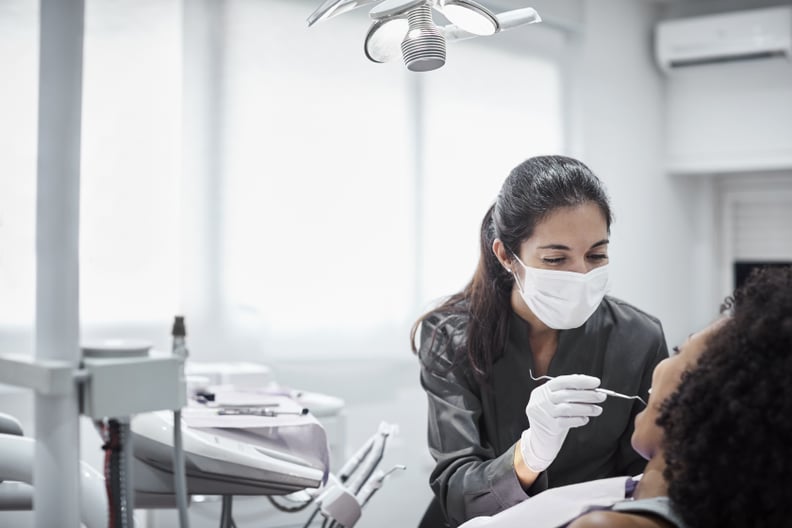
[203, 40]
[417, 125]
[56, 470]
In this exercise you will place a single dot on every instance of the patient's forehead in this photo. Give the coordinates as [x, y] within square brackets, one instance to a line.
[696, 342]
[686, 355]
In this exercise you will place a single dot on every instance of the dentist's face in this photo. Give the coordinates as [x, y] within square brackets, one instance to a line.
[573, 239]
[569, 239]
[647, 437]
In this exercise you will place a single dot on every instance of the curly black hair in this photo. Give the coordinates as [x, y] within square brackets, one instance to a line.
[728, 427]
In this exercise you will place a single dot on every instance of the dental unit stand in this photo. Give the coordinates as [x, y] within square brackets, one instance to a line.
[107, 386]
[179, 351]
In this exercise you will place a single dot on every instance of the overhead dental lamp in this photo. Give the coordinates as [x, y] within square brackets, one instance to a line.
[406, 27]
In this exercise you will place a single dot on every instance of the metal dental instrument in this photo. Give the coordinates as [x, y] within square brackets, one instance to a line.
[257, 411]
[598, 389]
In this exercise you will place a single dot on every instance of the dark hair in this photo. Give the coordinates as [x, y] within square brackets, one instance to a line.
[534, 189]
[728, 427]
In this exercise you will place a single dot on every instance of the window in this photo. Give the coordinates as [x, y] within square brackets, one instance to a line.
[131, 162]
[131, 151]
[319, 207]
[18, 106]
[321, 227]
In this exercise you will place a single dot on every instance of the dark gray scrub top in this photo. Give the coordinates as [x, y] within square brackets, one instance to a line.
[472, 430]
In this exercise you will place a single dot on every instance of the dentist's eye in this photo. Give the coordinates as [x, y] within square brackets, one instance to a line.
[599, 257]
[556, 260]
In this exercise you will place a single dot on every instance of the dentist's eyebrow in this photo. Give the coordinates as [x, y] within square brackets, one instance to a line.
[602, 242]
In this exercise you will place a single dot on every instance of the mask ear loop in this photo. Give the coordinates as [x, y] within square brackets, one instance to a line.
[516, 277]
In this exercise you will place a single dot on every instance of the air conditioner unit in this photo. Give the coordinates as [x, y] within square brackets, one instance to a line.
[725, 37]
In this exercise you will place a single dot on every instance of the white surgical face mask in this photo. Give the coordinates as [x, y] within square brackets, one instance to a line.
[563, 299]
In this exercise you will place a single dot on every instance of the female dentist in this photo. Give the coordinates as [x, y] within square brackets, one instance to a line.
[536, 306]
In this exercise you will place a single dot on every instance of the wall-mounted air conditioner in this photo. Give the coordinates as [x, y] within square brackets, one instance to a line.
[725, 37]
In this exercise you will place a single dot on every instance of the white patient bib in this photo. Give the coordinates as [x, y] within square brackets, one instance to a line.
[556, 506]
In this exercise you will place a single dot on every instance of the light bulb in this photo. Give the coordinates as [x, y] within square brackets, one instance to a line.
[424, 47]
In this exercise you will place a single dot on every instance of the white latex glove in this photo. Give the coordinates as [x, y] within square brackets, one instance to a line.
[553, 409]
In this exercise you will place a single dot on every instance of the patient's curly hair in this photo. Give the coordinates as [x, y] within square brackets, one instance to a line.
[728, 427]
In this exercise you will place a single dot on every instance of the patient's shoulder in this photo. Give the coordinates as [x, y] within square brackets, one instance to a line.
[609, 519]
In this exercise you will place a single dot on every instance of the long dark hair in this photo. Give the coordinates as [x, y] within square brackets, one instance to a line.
[533, 189]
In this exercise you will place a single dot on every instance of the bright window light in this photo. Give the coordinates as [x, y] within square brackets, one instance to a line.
[18, 108]
[317, 239]
[131, 161]
[131, 149]
[319, 198]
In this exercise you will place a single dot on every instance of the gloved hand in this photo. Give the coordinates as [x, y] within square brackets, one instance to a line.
[553, 409]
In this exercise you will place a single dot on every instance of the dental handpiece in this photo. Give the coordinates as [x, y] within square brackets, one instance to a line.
[354, 461]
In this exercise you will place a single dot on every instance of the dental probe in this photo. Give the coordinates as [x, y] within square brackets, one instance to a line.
[619, 395]
[598, 389]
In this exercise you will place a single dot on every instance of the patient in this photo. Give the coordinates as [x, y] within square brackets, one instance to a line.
[650, 505]
[724, 459]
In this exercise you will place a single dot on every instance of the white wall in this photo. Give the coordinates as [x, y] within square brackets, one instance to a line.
[618, 97]
[732, 116]
[683, 8]
[725, 123]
